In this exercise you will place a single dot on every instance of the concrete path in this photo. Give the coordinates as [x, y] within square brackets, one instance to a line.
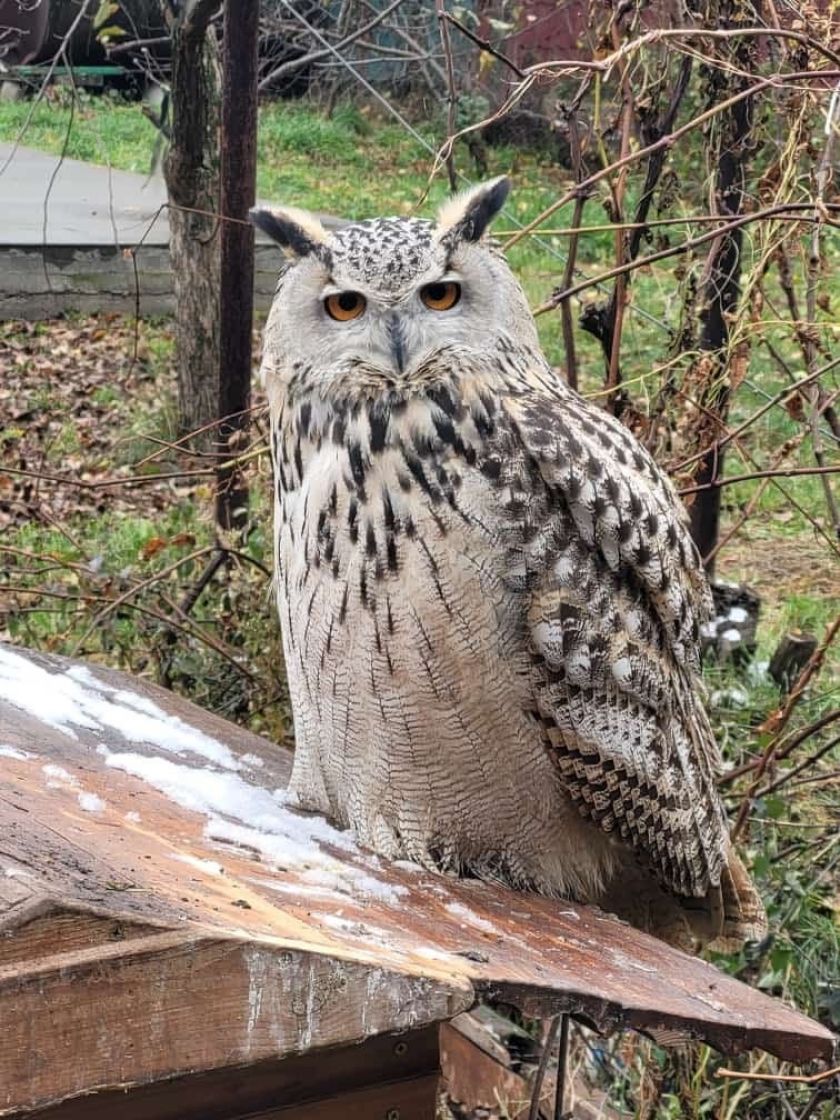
[47, 200]
[44, 199]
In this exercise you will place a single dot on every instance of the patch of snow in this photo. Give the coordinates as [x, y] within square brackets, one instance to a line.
[75, 698]
[432, 954]
[355, 928]
[18, 873]
[246, 816]
[208, 866]
[409, 865]
[90, 803]
[84, 676]
[732, 636]
[58, 777]
[12, 752]
[708, 630]
[758, 671]
[730, 698]
[737, 614]
[464, 914]
[351, 881]
[344, 925]
[252, 760]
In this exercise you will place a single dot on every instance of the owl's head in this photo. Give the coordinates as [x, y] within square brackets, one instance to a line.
[392, 303]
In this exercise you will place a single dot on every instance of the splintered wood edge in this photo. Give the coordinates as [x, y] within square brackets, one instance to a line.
[804, 1040]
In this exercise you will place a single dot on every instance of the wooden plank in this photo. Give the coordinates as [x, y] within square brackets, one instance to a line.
[143, 1010]
[405, 1100]
[384, 1073]
[122, 803]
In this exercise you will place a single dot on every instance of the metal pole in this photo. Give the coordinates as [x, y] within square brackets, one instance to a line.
[238, 193]
[562, 1068]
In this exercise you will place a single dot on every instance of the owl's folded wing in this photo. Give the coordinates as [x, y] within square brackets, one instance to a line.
[616, 594]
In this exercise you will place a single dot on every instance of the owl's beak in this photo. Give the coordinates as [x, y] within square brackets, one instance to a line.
[396, 338]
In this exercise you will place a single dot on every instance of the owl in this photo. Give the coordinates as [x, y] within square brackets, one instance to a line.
[489, 599]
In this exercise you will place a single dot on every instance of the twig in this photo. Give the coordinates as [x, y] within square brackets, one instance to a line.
[452, 92]
[809, 761]
[190, 630]
[779, 398]
[194, 593]
[669, 140]
[137, 44]
[115, 604]
[484, 44]
[781, 752]
[779, 718]
[790, 1078]
[782, 472]
[778, 212]
[814, 260]
[618, 301]
[60, 53]
[569, 271]
[562, 1068]
[335, 48]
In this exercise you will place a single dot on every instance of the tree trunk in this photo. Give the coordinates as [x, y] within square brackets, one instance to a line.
[192, 179]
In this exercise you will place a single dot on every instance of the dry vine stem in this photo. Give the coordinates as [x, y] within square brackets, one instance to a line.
[789, 1078]
[779, 718]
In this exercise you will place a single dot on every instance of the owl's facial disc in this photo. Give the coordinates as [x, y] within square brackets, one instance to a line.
[390, 331]
[392, 301]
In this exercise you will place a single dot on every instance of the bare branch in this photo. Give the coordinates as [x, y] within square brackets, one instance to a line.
[295, 64]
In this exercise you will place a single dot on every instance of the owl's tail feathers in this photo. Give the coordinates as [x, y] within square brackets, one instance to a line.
[722, 919]
[742, 911]
[729, 914]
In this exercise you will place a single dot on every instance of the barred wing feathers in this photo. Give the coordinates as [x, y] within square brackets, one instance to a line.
[616, 595]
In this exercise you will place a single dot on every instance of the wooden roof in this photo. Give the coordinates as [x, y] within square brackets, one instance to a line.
[164, 911]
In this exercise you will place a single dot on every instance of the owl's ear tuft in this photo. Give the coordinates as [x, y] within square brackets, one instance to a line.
[297, 232]
[467, 216]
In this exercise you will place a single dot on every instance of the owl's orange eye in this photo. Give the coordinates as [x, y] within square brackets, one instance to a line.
[345, 306]
[441, 296]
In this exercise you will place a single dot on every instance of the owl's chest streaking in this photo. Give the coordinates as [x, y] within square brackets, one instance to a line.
[402, 529]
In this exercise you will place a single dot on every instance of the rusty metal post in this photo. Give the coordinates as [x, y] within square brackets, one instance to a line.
[238, 193]
[562, 1070]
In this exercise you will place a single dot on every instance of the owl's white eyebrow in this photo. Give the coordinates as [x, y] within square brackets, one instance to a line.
[447, 277]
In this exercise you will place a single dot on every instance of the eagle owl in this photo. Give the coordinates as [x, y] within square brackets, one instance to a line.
[489, 599]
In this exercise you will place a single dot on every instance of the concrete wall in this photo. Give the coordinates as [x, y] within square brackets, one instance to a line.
[41, 283]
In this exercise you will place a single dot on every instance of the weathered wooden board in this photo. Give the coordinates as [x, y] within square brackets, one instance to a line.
[165, 911]
[387, 1074]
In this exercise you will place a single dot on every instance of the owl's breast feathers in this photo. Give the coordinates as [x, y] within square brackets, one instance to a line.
[598, 570]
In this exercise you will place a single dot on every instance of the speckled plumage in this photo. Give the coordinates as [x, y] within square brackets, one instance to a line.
[489, 598]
